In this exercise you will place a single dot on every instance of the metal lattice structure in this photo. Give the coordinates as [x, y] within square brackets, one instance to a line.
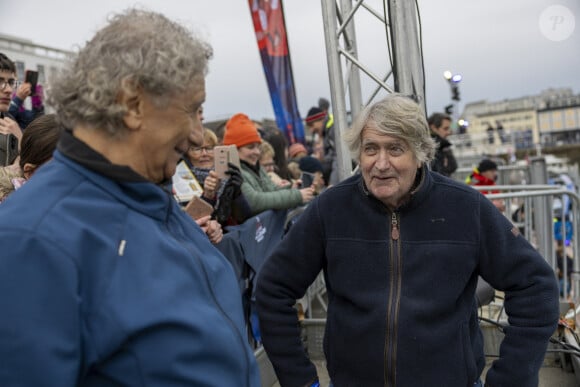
[403, 63]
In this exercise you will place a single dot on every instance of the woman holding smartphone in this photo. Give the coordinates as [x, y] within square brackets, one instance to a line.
[225, 196]
[258, 189]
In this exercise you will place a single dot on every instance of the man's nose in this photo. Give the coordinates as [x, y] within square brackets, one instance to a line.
[383, 160]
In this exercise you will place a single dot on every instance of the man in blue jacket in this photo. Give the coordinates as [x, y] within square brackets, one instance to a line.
[401, 265]
[104, 279]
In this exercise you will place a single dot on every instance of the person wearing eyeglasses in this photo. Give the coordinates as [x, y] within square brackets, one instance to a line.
[199, 158]
[225, 195]
[10, 132]
[19, 92]
[267, 162]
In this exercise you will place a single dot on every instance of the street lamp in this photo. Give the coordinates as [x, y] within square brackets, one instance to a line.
[453, 81]
[462, 125]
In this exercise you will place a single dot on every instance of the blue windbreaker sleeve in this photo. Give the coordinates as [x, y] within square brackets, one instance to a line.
[39, 305]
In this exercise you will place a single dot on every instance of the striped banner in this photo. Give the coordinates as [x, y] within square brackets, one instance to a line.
[270, 28]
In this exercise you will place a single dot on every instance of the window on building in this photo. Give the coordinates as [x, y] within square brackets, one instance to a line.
[41, 75]
[52, 71]
[19, 70]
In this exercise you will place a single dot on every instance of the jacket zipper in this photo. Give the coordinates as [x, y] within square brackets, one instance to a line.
[394, 227]
[393, 303]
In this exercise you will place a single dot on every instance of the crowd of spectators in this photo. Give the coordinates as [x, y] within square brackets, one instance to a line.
[107, 277]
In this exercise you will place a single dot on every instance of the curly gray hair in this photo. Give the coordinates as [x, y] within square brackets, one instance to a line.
[138, 49]
[396, 115]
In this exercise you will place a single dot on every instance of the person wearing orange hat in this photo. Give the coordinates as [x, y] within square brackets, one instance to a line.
[297, 151]
[258, 189]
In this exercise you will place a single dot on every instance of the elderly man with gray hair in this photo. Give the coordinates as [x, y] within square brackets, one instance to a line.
[401, 264]
[104, 279]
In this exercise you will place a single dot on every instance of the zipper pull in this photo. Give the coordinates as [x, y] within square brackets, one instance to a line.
[394, 227]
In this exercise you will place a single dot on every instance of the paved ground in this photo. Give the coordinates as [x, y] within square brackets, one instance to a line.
[549, 376]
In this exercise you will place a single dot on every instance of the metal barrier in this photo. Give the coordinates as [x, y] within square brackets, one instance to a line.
[530, 204]
[537, 201]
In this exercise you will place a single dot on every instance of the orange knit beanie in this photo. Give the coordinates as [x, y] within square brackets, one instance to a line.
[240, 131]
[295, 149]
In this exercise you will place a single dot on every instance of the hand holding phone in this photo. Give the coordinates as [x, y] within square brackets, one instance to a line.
[224, 154]
[307, 179]
[32, 78]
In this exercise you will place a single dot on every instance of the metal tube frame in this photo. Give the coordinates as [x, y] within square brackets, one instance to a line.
[341, 45]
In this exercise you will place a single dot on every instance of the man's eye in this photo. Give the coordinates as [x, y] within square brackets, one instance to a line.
[370, 149]
[396, 150]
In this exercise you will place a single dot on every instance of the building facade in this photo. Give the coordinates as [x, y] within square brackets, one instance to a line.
[559, 122]
[28, 55]
[520, 125]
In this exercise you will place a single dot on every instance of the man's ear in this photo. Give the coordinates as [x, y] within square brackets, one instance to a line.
[28, 170]
[131, 98]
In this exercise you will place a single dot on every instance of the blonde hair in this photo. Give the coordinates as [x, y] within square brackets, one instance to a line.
[267, 149]
[294, 169]
[209, 137]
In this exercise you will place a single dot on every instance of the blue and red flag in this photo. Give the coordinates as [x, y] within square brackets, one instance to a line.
[270, 28]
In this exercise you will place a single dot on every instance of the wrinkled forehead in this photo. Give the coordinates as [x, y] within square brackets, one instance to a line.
[372, 135]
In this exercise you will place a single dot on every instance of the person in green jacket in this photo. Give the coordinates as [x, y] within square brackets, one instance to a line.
[259, 190]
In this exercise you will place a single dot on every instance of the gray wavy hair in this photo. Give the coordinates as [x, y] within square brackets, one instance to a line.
[396, 115]
[138, 49]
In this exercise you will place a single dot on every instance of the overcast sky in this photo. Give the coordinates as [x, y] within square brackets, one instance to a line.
[503, 49]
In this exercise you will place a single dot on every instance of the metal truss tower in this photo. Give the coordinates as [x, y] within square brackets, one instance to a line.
[399, 24]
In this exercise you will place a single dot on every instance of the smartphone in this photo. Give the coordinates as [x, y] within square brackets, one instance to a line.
[32, 78]
[198, 208]
[224, 154]
[307, 179]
